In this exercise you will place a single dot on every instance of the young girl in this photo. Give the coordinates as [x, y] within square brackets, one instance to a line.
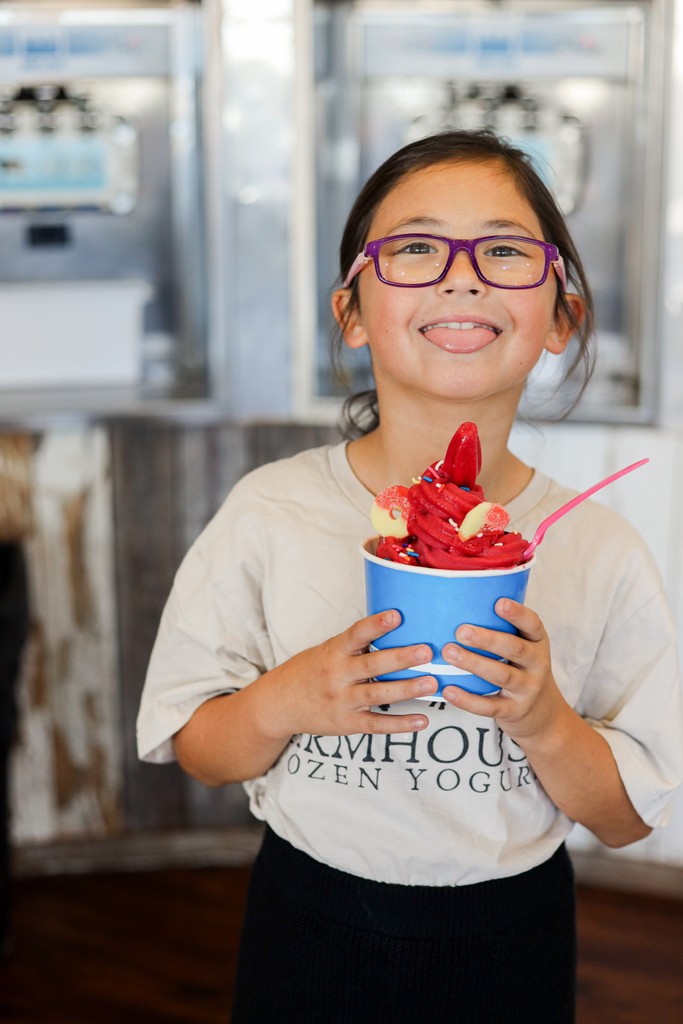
[413, 867]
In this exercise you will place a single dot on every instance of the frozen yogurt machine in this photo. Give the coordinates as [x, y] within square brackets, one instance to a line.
[190, 166]
[101, 238]
[577, 85]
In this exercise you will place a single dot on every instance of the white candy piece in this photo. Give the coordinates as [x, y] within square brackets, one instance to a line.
[390, 511]
[486, 517]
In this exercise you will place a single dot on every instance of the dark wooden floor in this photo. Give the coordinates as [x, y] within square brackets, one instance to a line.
[160, 947]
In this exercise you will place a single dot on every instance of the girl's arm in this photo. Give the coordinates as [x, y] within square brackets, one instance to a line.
[324, 690]
[577, 770]
[573, 762]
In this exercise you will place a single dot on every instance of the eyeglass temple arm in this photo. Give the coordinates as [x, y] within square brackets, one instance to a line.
[560, 271]
[357, 265]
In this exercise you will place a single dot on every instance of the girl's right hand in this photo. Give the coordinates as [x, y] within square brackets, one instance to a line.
[326, 690]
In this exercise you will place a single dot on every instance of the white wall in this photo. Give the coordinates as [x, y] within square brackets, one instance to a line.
[650, 498]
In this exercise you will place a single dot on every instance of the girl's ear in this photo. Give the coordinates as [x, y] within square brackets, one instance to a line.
[559, 336]
[347, 315]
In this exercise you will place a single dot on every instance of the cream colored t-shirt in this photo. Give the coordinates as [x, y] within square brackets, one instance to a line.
[278, 570]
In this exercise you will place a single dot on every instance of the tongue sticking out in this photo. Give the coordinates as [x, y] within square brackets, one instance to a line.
[465, 338]
[463, 458]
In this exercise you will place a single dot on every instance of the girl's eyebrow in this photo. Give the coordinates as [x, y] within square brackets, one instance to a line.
[437, 226]
[515, 225]
[426, 222]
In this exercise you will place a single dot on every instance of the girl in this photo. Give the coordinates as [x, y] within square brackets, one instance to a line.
[413, 867]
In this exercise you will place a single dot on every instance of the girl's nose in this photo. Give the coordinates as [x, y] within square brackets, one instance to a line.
[461, 275]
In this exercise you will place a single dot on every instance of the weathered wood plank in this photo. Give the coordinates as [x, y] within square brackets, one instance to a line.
[67, 762]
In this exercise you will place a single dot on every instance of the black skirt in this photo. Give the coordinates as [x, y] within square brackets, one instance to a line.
[320, 946]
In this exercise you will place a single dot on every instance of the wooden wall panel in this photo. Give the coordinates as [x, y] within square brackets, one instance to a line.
[148, 537]
[67, 762]
[169, 480]
[114, 509]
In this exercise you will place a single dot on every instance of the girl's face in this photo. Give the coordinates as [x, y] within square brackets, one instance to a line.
[501, 333]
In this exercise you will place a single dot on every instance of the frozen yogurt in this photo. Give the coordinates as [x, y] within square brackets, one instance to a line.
[443, 520]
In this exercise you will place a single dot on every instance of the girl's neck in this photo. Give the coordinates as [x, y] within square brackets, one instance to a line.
[403, 446]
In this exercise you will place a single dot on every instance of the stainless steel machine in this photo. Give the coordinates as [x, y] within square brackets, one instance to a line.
[101, 237]
[578, 85]
[298, 101]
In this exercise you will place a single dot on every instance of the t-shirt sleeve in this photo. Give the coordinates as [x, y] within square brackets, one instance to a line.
[212, 638]
[633, 694]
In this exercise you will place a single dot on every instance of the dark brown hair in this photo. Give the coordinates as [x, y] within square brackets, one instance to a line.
[361, 412]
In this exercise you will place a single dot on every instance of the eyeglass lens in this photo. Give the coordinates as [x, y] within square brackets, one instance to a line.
[502, 261]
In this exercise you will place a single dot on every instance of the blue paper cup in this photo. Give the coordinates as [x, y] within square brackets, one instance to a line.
[433, 603]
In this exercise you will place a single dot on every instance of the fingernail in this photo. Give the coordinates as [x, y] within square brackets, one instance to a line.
[427, 685]
[423, 653]
[464, 633]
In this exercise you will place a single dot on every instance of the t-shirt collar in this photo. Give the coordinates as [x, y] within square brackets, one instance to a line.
[362, 498]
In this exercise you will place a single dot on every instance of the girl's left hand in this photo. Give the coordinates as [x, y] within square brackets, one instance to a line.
[530, 701]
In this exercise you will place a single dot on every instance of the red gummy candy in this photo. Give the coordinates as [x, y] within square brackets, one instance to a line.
[463, 458]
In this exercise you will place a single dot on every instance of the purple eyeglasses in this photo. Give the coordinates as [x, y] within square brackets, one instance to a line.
[503, 261]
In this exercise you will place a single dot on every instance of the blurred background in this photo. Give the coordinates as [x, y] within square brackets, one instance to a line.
[174, 177]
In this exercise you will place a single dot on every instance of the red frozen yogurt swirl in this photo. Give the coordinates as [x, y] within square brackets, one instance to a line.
[439, 502]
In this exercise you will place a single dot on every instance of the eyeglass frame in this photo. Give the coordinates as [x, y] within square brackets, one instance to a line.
[371, 254]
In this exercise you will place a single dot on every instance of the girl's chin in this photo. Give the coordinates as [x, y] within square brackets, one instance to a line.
[461, 382]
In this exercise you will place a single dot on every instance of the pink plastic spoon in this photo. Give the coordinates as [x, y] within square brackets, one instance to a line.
[563, 509]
